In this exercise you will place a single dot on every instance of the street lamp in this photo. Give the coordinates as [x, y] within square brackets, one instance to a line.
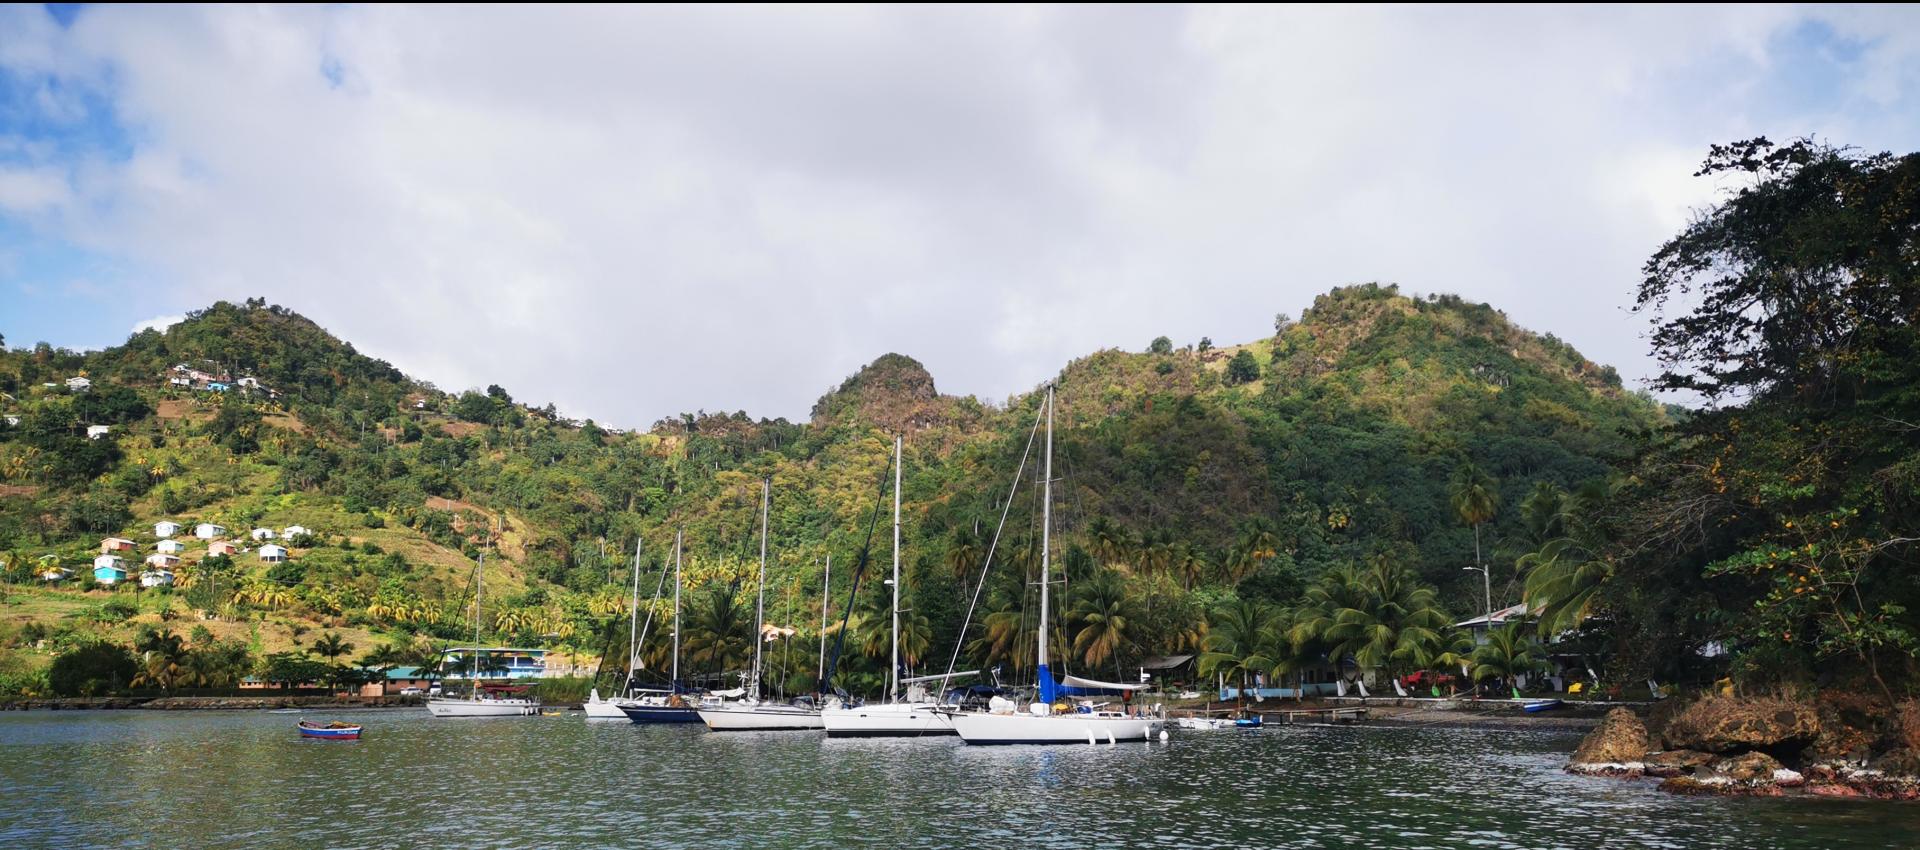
[1486, 575]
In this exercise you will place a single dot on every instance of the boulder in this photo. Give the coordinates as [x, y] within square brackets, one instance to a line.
[1613, 748]
[1903, 763]
[1752, 774]
[1726, 724]
[1906, 725]
[1746, 767]
[1675, 762]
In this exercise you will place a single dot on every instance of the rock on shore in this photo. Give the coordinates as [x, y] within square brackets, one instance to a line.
[1767, 746]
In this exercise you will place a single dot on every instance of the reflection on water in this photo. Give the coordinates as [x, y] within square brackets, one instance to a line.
[231, 779]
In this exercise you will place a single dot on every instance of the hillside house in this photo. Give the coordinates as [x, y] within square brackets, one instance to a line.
[53, 574]
[95, 432]
[273, 553]
[166, 528]
[223, 547]
[117, 544]
[156, 578]
[208, 531]
[162, 559]
[109, 569]
[170, 547]
[293, 531]
[217, 386]
[262, 534]
[79, 384]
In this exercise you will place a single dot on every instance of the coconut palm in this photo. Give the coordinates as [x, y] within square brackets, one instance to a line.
[1475, 499]
[330, 646]
[718, 635]
[1244, 639]
[162, 659]
[1381, 617]
[1100, 613]
[1508, 652]
[1565, 574]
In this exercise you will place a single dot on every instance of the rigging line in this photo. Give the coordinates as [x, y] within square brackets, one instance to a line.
[859, 569]
[960, 640]
[633, 652]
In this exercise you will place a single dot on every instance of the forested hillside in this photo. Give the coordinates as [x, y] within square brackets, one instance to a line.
[1190, 479]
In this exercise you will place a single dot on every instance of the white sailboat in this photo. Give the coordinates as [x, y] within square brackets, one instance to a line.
[751, 713]
[909, 718]
[598, 708]
[1043, 722]
[478, 703]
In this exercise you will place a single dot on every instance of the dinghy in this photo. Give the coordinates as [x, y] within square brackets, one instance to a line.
[334, 731]
[1542, 705]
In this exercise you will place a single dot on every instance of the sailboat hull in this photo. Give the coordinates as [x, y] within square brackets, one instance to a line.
[905, 720]
[605, 709]
[456, 707]
[660, 714]
[1053, 728]
[761, 718]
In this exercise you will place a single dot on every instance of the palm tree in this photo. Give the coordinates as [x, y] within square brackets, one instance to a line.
[1101, 612]
[717, 632]
[1508, 652]
[1475, 498]
[162, 659]
[331, 647]
[1108, 541]
[1243, 640]
[1565, 574]
[1382, 617]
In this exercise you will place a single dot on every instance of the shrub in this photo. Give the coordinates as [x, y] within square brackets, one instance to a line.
[91, 670]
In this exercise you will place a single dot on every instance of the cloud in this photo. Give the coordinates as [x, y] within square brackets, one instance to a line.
[634, 212]
[160, 323]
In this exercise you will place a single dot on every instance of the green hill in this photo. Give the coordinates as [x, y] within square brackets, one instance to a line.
[1195, 475]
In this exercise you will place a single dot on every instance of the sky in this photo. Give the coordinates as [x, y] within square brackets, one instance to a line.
[635, 212]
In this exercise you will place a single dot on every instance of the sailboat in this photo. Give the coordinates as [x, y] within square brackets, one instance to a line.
[1044, 722]
[912, 717]
[655, 706]
[612, 709]
[751, 713]
[481, 702]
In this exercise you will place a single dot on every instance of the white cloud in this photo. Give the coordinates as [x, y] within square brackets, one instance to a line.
[160, 323]
[633, 212]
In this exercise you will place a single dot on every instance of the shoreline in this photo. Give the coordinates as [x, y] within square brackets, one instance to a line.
[238, 703]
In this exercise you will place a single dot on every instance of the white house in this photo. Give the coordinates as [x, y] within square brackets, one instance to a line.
[171, 547]
[110, 561]
[208, 531]
[95, 432]
[263, 534]
[166, 528]
[56, 574]
[273, 553]
[293, 531]
[162, 559]
[156, 578]
[79, 384]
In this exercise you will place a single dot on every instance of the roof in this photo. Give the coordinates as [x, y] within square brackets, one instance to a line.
[1164, 662]
[1499, 617]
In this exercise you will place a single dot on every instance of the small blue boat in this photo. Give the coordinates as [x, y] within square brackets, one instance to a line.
[1252, 722]
[335, 731]
[1542, 705]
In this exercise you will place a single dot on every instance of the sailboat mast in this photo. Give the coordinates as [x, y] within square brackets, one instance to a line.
[893, 672]
[826, 581]
[633, 619]
[760, 603]
[673, 686]
[479, 577]
[1046, 551]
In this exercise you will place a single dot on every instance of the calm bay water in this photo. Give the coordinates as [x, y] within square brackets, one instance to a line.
[232, 779]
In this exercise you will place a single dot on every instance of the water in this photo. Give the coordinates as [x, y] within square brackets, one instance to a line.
[244, 779]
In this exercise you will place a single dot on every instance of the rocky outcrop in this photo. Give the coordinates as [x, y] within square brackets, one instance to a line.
[1669, 763]
[1614, 748]
[1726, 724]
[1753, 774]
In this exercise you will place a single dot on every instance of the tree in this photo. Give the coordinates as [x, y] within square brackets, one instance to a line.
[163, 659]
[1243, 641]
[91, 670]
[1243, 368]
[1475, 498]
[718, 633]
[1206, 344]
[1380, 616]
[1101, 615]
[330, 646]
[1508, 652]
[1161, 345]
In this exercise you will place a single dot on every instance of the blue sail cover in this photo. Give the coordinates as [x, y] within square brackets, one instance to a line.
[1049, 689]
